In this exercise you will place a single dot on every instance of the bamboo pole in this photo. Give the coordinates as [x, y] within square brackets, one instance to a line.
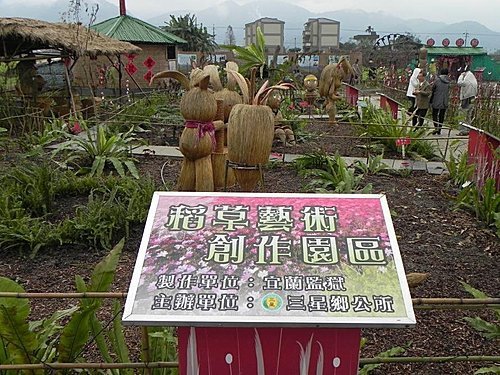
[145, 348]
[117, 295]
[153, 365]
[103, 366]
[457, 307]
[464, 358]
[417, 302]
[453, 301]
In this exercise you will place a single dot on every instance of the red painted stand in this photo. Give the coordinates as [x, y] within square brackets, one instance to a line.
[387, 102]
[259, 351]
[351, 95]
[481, 151]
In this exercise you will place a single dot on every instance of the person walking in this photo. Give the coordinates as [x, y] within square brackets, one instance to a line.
[412, 86]
[422, 97]
[356, 75]
[439, 99]
[468, 91]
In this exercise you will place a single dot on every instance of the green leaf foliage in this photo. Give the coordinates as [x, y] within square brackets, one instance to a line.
[486, 329]
[333, 175]
[164, 344]
[117, 337]
[488, 370]
[101, 148]
[392, 352]
[104, 273]
[18, 342]
[75, 335]
[382, 128]
[483, 201]
[253, 55]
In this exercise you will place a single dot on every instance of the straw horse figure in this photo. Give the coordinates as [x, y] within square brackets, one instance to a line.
[330, 82]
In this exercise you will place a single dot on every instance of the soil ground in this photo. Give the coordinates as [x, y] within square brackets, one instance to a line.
[434, 237]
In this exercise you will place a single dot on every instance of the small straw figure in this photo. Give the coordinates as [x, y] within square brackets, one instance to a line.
[282, 132]
[311, 86]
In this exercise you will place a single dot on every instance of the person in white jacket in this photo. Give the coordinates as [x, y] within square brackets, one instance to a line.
[412, 86]
[468, 91]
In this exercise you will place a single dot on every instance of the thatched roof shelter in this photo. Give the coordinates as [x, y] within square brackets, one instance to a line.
[20, 36]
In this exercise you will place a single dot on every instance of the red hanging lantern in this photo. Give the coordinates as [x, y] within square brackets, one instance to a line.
[474, 42]
[445, 42]
[430, 42]
[459, 42]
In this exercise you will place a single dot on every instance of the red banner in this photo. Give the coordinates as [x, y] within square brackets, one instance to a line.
[258, 351]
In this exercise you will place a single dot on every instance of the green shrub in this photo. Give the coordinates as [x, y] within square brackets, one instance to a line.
[375, 165]
[101, 148]
[459, 169]
[331, 174]
[483, 201]
[380, 127]
[28, 199]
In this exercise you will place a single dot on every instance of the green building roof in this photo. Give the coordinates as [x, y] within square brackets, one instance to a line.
[132, 30]
[456, 51]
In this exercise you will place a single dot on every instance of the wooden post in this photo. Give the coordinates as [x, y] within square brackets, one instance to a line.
[145, 348]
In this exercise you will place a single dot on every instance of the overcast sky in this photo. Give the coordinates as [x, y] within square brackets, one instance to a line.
[486, 12]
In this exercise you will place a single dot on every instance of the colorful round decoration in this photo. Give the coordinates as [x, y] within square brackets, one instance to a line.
[272, 302]
[459, 42]
[430, 42]
[445, 42]
[474, 42]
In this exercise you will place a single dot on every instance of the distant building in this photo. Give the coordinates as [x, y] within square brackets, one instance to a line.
[320, 35]
[273, 30]
[366, 39]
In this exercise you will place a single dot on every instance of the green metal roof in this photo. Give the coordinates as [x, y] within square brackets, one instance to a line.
[131, 29]
[455, 51]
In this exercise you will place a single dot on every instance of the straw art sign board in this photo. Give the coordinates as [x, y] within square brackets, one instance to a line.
[242, 259]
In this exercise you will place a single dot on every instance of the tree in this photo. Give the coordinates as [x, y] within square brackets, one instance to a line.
[230, 38]
[197, 36]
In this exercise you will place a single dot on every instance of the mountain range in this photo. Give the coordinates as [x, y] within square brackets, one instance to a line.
[217, 18]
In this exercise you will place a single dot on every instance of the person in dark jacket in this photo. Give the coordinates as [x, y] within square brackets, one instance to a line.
[440, 97]
[422, 97]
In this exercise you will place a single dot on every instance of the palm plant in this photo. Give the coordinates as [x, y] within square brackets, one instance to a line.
[253, 55]
[196, 36]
